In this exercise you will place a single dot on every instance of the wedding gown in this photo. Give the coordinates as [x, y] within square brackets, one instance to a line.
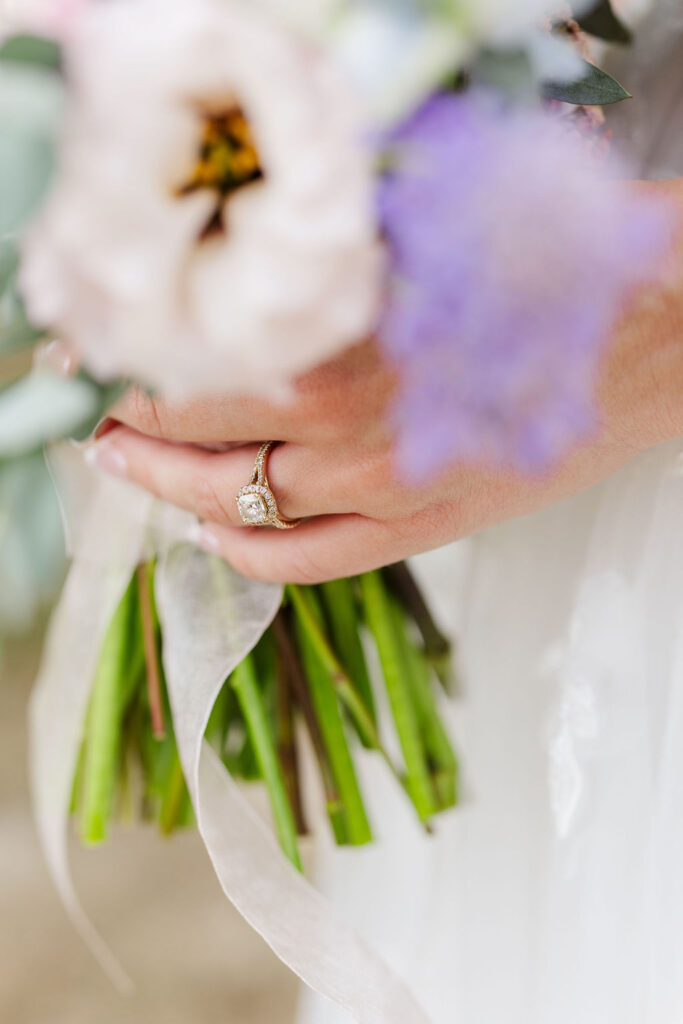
[554, 893]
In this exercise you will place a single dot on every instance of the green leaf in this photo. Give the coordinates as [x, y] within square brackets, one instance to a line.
[31, 101]
[29, 49]
[16, 332]
[595, 89]
[31, 542]
[41, 408]
[601, 21]
[9, 263]
[16, 335]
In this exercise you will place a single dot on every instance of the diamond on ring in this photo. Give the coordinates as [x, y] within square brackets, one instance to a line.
[252, 508]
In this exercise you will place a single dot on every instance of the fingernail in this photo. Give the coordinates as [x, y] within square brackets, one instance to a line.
[106, 457]
[105, 425]
[204, 537]
[56, 356]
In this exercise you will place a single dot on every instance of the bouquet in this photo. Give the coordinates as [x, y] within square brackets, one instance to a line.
[216, 195]
[309, 665]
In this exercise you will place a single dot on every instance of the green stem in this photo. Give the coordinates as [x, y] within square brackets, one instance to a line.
[442, 760]
[380, 620]
[323, 675]
[119, 668]
[148, 620]
[173, 797]
[342, 612]
[246, 687]
[311, 624]
[437, 646]
[286, 746]
[289, 657]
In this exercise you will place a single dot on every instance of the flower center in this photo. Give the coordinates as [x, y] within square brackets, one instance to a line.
[227, 160]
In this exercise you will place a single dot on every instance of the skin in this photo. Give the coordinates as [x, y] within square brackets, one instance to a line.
[335, 467]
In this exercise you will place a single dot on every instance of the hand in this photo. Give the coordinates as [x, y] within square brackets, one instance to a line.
[335, 467]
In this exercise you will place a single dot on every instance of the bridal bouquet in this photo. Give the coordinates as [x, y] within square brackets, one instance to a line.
[212, 196]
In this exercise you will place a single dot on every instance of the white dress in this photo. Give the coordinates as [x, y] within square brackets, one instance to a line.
[554, 894]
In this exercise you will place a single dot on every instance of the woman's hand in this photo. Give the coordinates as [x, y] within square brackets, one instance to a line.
[336, 470]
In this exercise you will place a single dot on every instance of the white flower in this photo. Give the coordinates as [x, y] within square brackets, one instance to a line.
[212, 223]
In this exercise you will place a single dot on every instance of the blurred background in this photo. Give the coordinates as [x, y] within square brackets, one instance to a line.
[156, 901]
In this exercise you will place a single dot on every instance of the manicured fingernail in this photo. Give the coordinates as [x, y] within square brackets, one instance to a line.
[105, 456]
[205, 538]
[105, 425]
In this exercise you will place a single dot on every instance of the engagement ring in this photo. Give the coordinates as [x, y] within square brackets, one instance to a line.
[256, 502]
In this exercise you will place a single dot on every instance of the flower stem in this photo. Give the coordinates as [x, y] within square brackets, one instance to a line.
[145, 579]
[312, 626]
[437, 646]
[290, 658]
[118, 670]
[441, 758]
[383, 627]
[173, 797]
[286, 746]
[326, 679]
[246, 687]
[341, 608]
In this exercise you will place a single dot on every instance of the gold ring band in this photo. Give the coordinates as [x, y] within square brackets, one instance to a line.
[256, 502]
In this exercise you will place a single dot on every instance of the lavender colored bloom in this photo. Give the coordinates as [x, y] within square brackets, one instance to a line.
[510, 259]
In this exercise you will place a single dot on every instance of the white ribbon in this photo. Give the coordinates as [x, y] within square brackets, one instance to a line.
[211, 618]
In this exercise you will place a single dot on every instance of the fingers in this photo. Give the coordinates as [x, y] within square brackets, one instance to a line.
[206, 483]
[207, 421]
[344, 398]
[321, 549]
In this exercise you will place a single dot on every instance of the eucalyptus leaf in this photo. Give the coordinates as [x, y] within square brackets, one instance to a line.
[595, 89]
[16, 332]
[17, 337]
[44, 407]
[32, 556]
[30, 49]
[31, 102]
[9, 263]
[26, 167]
[601, 21]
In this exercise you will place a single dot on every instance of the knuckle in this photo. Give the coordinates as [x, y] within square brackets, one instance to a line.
[208, 503]
[143, 412]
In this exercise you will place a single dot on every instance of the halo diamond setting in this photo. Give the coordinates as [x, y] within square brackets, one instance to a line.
[256, 505]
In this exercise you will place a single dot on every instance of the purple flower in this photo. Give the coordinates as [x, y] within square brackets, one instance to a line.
[510, 258]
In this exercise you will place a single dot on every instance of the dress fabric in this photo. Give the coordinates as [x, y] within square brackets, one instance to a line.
[554, 893]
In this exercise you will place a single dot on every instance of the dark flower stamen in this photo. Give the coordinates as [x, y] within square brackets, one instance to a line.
[227, 161]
